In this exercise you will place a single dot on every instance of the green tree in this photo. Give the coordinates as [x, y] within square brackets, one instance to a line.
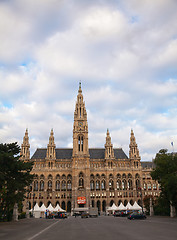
[165, 173]
[14, 178]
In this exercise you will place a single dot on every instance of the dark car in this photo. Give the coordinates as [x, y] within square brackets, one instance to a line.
[120, 214]
[136, 215]
[61, 215]
[117, 214]
[84, 215]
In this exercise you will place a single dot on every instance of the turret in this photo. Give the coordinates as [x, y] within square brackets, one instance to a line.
[133, 151]
[109, 152]
[25, 152]
[51, 154]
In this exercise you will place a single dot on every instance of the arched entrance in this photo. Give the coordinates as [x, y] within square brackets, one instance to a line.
[98, 206]
[111, 203]
[139, 202]
[125, 203]
[49, 202]
[119, 202]
[63, 205]
[40, 204]
[104, 206]
[93, 203]
[68, 206]
[131, 202]
[57, 203]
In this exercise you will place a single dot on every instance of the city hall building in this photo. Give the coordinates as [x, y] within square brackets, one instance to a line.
[87, 177]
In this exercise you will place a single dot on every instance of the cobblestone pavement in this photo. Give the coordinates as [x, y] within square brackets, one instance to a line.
[101, 228]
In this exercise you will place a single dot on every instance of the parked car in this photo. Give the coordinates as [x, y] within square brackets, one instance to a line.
[136, 215]
[84, 215]
[120, 214]
[61, 215]
[117, 214]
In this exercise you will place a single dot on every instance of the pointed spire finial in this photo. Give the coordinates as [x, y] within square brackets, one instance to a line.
[80, 90]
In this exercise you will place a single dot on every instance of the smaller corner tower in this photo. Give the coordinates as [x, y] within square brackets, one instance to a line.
[51, 154]
[133, 151]
[109, 152]
[25, 152]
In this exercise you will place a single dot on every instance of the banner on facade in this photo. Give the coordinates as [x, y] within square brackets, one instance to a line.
[81, 200]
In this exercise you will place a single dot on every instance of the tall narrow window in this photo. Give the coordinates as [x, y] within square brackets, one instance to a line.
[82, 147]
[80, 112]
[79, 143]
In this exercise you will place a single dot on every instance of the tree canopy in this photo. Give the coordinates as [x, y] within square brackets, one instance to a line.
[165, 173]
[14, 177]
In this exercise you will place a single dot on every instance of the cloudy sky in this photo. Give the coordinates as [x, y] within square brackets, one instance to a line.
[123, 52]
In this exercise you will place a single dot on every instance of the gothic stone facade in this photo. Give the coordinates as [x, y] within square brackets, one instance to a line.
[83, 176]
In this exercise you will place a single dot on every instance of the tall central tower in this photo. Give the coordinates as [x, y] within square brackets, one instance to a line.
[81, 157]
[80, 128]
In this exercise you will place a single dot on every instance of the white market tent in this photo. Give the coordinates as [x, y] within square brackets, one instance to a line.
[112, 208]
[36, 207]
[58, 209]
[36, 211]
[129, 206]
[121, 207]
[43, 208]
[50, 208]
[136, 206]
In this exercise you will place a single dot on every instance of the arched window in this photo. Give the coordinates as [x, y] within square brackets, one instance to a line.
[149, 186]
[80, 143]
[41, 185]
[97, 185]
[130, 185]
[49, 184]
[57, 185]
[91, 185]
[118, 185]
[137, 184]
[69, 186]
[103, 184]
[81, 180]
[111, 184]
[36, 185]
[124, 185]
[63, 185]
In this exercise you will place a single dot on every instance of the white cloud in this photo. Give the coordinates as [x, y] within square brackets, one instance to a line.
[124, 53]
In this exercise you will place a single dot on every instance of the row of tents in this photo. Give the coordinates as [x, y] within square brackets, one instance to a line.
[39, 212]
[128, 207]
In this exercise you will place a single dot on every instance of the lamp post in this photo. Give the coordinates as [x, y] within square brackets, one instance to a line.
[141, 194]
[27, 206]
[33, 205]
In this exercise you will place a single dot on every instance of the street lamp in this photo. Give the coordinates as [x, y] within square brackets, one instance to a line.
[141, 194]
[33, 205]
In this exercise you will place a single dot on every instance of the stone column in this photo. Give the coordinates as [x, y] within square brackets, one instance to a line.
[15, 212]
[151, 208]
[172, 210]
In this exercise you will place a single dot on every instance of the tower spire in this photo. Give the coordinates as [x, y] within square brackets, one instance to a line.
[25, 152]
[80, 128]
[51, 147]
[109, 152]
[133, 150]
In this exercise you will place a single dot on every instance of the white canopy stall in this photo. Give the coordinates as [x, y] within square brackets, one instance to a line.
[129, 207]
[121, 207]
[136, 207]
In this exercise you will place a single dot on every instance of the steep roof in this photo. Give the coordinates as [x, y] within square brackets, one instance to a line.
[147, 165]
[66, 153]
